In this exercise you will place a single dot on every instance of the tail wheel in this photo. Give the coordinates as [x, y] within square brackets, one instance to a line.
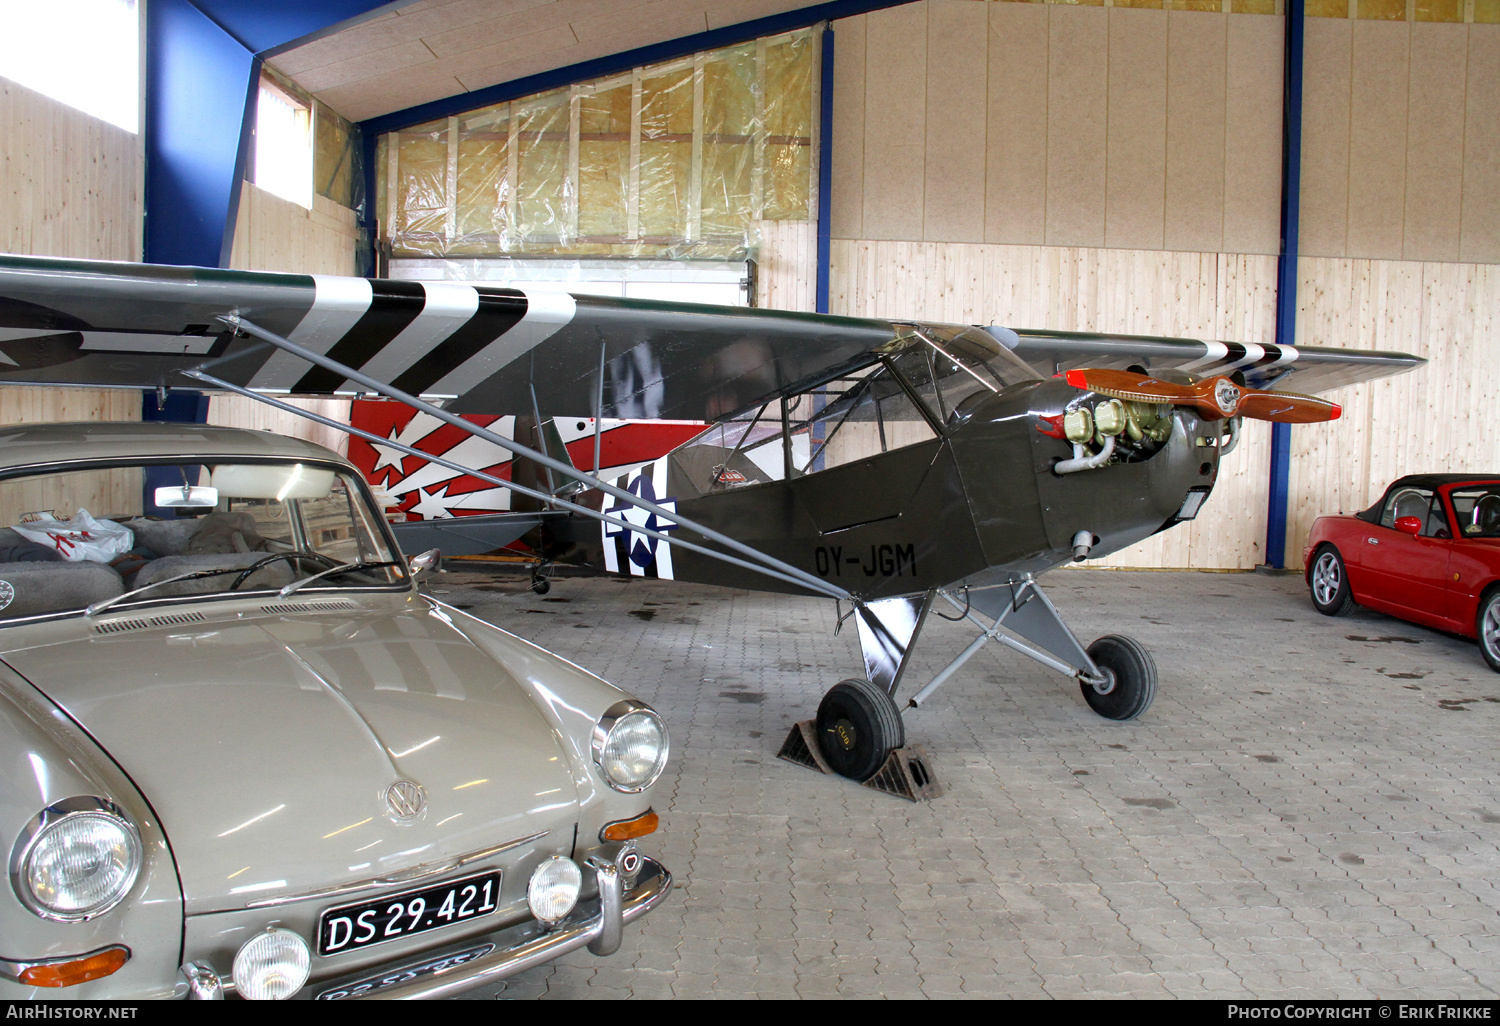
[1329, 583]
[858, 726]
[1130, 678]
[541, 585]
[1489, 628]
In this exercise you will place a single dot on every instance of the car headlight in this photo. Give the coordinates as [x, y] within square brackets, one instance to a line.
[630, 746]
[271, 966]
[75, 860]
[553, 890]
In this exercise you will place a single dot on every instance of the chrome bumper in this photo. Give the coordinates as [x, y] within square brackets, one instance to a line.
[597, 924]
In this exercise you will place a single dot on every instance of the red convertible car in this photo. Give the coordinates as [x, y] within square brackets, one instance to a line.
[1428, 551]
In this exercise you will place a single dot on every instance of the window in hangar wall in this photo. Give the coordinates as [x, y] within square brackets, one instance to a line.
[302, 147]
[84, 53]
[675, 165]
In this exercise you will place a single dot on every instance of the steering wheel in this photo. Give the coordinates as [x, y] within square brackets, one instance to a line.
[291, 557]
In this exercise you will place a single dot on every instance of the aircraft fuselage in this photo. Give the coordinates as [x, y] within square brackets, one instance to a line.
[980, 498]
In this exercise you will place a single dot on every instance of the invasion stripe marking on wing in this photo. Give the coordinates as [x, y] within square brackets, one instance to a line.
[498, 313]
[546, 312]
[338, 304]
[446, 309]
[1253, 354]
[396, 304]
[1213, 352]
[1284, 355]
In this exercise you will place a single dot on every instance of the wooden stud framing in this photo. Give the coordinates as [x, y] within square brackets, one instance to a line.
[695, 181]
[450, 219]
[633, 191]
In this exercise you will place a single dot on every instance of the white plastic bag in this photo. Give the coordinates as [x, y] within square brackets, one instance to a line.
[81, 538]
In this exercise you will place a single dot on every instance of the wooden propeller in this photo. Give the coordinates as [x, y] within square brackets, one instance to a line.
[1216, 397]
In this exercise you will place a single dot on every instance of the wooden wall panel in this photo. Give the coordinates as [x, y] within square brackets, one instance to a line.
[1380, 57]
[1077, 90]
[1325, 137]
[1435, 143]
[273, 234]
[1136, 121]
[846, 210]
[1197, 72]
[70, 184]
[957, 73]
[1480, 238]
[1015, 206]
[787, 272]
[238, 411]
[1252, 134]
[896, 125]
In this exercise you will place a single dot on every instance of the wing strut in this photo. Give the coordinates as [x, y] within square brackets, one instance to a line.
[767, 563]
[402, 447]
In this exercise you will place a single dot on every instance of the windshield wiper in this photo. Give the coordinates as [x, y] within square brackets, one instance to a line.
[102, 605]
[346, 568]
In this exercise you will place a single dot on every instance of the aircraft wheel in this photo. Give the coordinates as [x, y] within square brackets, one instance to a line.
[857, 726]
[1329, 583]
[1132, 678]
[1489, 629]
[541, 585]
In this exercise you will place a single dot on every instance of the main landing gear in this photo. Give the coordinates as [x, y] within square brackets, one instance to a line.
[859, 727]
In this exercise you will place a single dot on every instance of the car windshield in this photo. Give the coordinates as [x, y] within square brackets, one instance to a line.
[1478, 510]
[74, 539]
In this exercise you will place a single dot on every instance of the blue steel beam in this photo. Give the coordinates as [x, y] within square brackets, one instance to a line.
[1286, 272]
[825, 169]
[202, 67]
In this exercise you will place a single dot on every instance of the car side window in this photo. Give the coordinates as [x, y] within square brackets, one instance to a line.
[1410, 502]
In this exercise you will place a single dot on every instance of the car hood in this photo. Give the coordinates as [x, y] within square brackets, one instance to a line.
[266, 742]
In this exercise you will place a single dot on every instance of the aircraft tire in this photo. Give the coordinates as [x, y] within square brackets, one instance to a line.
[1135, 678]
[541, 585]
[1329, 581]
[858, 726]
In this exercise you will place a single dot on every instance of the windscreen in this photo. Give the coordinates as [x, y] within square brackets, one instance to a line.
[75, 538]
[1478, 510]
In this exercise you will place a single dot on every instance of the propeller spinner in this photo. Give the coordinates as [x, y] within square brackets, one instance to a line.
[1216, 397]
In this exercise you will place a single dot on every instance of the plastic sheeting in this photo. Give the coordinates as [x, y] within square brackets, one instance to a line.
[680, 160]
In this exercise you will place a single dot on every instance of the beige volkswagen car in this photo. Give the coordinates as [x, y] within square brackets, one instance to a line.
[242, 754]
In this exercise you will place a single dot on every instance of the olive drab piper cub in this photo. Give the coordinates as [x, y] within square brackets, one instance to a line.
[893, 466]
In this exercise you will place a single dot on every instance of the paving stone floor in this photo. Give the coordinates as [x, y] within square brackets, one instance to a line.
[1310, 808]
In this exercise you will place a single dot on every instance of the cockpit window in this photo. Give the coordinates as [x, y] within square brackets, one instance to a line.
[76, 538]
[1478, 510]
[927, 374]
[948, 364]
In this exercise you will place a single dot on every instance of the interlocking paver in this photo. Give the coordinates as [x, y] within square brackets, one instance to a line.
[1297, 815]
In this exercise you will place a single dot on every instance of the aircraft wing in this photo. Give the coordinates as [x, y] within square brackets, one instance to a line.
[489, 350]
[72, 322]
[466, 536]
[1307, 369]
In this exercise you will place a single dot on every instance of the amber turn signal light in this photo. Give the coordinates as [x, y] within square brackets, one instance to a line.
[627, 829]
[80, 970]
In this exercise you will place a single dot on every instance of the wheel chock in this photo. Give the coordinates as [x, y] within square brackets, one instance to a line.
[906, 773]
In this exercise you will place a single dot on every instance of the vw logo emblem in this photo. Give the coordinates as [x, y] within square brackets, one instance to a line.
[405, 799]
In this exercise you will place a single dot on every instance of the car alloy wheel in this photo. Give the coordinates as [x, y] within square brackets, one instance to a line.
[1330, 584]
[1489, 629]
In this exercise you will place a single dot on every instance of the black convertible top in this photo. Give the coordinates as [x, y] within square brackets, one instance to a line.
[1432, 482]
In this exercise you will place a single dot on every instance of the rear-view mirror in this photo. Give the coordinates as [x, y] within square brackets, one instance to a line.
[187, 496]
[1409, 525]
